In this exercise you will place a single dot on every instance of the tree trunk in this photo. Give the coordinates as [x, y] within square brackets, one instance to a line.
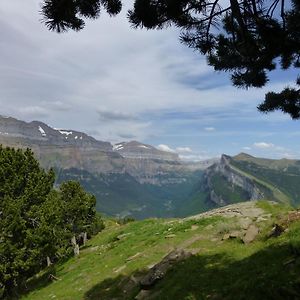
[49, 263]
[84, 238]
[76, 250]
[75, 245]
[73, 241]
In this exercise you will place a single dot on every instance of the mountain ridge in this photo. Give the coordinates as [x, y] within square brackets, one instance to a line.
[132, 178]
[128, 178]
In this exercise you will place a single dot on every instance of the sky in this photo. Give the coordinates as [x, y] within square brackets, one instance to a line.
[119, 84]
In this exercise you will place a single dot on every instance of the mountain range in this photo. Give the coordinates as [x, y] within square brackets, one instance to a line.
[136, 179]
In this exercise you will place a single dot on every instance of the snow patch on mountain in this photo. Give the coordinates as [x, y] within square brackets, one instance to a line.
[42, 131]
[65, 132]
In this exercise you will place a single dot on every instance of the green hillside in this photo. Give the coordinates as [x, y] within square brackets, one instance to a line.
[214, 262]
[282, 175]
[121, 194]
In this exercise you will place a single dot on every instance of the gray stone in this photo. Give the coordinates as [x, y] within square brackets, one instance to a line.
[160, 269]
[245, 222]
[251, 234]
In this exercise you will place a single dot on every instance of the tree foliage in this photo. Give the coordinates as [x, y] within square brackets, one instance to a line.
[37, 221]
[247, 38]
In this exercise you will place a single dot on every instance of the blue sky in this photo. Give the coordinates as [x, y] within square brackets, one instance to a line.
[118, 84]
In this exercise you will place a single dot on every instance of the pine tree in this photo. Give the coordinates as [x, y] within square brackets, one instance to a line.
[36, 221]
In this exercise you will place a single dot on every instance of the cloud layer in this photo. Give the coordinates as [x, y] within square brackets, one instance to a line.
[118, 84]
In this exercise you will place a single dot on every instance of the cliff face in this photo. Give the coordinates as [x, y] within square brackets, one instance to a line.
[66, 149]
[40, 134]
[138, 150]
[60, 148]
[232, 182]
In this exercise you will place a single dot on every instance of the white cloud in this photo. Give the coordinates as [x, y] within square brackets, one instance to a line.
[246, 148]
[184, 150]
[112, 81]
[164, 147]
[179, 150]
[33, 112]
[263, 145]
[209, 128]
[197, 157]
[114, 115]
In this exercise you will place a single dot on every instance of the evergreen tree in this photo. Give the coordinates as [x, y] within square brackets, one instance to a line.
[36, 221]
[23, 188]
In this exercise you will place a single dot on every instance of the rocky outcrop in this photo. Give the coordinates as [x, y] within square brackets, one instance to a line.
[233, 178]
[251, 234]
[138, 150]
[39, 133]
[158, 272]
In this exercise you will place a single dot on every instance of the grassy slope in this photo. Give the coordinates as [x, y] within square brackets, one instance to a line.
[282, 175]
[221, 270]
[278, 194]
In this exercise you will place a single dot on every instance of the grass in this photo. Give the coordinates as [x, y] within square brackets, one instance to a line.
[278, 194]
[109, 265]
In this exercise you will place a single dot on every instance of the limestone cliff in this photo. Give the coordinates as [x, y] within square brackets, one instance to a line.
[233, 183]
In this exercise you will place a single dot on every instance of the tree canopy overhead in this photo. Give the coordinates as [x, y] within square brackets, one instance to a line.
[247, 38]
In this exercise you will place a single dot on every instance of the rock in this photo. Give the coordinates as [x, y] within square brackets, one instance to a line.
[160, 269]
[170, 236]
[293, 216]
[123, 236]
[245, 210]
[245, 222]
[276, 231]
[225, 236]
[134, 256]
[232, 235]
[120, 269]
[260, 219]
[235, 234]
[251, 234]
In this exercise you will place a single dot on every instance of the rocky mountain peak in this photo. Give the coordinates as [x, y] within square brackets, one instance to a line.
[134, 149]
[37, 132]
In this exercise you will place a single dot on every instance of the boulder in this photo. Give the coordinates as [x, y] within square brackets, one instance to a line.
[251, 234]
[232, 235]
[245, 222]
[276, 231]
[159, 270]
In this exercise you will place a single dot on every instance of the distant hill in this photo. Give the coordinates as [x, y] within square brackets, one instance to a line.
[139, 180]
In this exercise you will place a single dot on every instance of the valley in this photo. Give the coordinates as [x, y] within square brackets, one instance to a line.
[132, 179]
